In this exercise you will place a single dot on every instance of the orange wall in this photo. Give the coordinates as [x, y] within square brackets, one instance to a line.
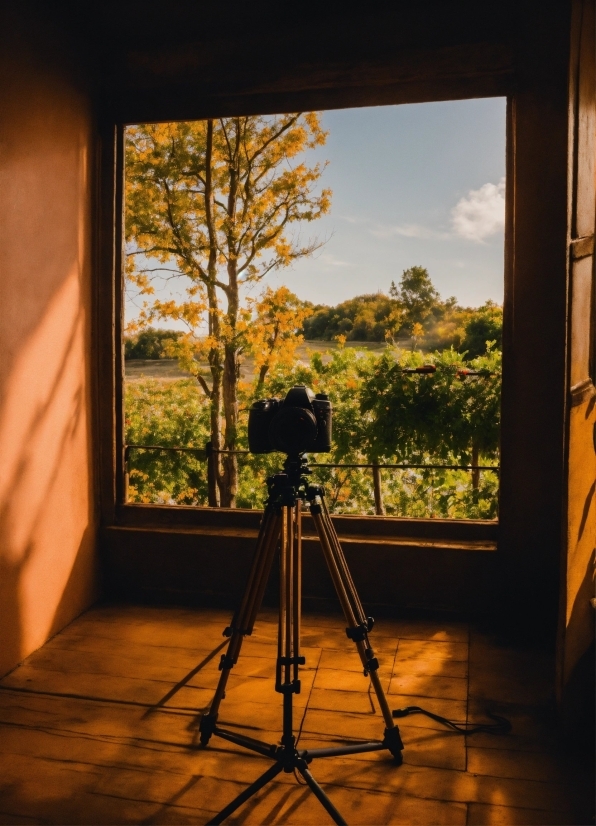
[47, 521]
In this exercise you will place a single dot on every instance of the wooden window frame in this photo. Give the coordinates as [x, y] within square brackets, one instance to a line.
[535, 396]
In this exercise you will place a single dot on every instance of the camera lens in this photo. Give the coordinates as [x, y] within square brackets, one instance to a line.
[293, 430]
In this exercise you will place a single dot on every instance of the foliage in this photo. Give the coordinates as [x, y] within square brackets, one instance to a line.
[380, 415]
[363, 318]
[275, 330]
[416, 295]
[168, 414]
[150, 344]
[484, 325]
[214, 202]
[441, 413]
[413, 311]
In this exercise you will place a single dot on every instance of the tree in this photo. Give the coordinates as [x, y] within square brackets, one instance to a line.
[442, 414]
[371, 317]
[214, 202]
[149, 344]
[275, 331]
[416, 293]
[483, 326]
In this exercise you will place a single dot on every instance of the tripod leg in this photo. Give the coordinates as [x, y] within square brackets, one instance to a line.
[243, 620]
[354, 614]
[343, 566]
[271, 772]
[288, 641]
[321, 796]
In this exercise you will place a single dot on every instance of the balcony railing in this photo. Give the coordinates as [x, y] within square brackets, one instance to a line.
[209, 455]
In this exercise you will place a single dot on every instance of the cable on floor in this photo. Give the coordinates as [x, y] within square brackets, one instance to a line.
[500, 725]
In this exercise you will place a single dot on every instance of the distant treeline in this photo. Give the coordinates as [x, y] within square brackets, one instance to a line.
[412, 310]
[150, 344]
[413, 314]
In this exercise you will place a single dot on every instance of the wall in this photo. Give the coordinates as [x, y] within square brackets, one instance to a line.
[575, 683]
[47, 522]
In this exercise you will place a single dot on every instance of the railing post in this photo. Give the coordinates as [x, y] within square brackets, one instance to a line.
[126, 473]
[211, 475]
[379, 507]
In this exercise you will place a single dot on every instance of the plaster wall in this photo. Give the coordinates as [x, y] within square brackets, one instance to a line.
[47, 513]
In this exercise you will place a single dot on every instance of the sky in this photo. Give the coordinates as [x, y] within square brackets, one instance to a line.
[417, 184]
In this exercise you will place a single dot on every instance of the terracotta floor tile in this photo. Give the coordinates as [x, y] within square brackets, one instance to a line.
[83, 739]
[333, 700]
[480, 814]
[278, 804]
[534, 728]
[509, 675]
[432, 631]
[431, 667]
[336, 639]
[445, 784]
[255, 717]
[341, 724]
[98, 686]
[507, 763]
[301, 807]
[252, 647]
[346, 680]
[438, 749]
[450, 688]
[67, 717]
[13, 819]
[249, 666]
[143, 651]
[426, 650]
[350, 660]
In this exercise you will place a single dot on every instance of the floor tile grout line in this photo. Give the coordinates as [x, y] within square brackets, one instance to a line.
[306, 705]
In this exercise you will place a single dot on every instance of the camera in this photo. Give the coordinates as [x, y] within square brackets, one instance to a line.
[300, 423]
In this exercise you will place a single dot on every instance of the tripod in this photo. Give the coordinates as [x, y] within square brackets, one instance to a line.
[281, 528]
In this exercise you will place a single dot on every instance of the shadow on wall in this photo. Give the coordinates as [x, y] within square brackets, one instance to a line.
[47, 561]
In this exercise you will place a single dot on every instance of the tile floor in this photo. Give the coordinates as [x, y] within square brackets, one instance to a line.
[98, 726]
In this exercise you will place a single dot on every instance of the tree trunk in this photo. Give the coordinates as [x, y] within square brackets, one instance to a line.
[231, 367]
[215, 401]
[229, 487]
[214, 484]
[262, 375]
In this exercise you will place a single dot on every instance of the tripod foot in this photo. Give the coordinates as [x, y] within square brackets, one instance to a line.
[207, 727]
[392, 741]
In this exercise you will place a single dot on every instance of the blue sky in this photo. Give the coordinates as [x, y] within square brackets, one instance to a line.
[419, 184]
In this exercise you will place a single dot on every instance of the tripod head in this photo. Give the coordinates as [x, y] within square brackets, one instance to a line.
[291, 484]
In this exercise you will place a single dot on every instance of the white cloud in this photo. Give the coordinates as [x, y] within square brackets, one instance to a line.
[351, 219]
[480, 213]
[407, 231]
[330, 260]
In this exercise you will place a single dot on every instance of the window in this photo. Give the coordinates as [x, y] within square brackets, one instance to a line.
[320, 249]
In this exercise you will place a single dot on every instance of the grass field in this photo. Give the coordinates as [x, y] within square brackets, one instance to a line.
[168, 369]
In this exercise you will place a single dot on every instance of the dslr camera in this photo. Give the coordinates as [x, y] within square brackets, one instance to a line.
[300, 423]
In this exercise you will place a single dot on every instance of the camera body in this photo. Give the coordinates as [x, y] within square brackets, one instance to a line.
[300, 423]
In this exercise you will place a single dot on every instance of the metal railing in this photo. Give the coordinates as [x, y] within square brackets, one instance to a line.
[208, 454]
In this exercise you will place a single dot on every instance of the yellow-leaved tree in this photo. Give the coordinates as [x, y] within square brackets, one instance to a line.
[213, 202]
